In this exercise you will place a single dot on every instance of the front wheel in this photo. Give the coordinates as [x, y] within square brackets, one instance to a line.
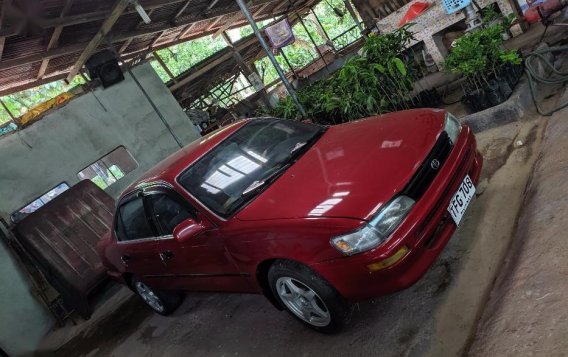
[308, 297]
[162, 302]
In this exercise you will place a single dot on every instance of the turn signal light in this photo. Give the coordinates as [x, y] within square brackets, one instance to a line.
[392, 260]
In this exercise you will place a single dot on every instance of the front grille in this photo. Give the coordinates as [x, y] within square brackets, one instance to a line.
[429, 168]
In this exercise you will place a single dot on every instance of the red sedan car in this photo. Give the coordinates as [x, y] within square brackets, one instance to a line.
[312, 217]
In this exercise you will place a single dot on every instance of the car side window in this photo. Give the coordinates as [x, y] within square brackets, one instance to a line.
[168, 212]
[132, 222]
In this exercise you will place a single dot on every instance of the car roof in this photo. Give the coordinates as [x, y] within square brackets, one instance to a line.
[168, 169]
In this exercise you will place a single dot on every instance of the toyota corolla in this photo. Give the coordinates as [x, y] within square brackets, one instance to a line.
[313, 217]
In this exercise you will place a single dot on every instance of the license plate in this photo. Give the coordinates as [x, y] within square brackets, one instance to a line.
[462, 198]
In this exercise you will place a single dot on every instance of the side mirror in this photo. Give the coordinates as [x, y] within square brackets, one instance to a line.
[189, 229]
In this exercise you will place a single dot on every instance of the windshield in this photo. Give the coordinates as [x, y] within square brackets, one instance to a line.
[231, 173]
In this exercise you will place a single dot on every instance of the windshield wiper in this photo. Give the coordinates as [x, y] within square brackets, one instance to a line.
[253, 186]
[299, 146]
[258, 184]
[296, 152]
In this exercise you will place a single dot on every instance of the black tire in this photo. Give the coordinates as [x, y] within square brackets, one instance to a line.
[167, 302]
[283, 273]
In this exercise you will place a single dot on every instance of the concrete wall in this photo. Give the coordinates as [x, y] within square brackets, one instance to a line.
[55, 149]
[64, 142]
[23, 320]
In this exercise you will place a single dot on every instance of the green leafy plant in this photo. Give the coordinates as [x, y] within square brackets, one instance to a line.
[490, 14]
[479, 56]
[379, 81]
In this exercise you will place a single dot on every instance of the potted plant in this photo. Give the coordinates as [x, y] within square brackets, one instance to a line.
[375, 82]
[485, 66]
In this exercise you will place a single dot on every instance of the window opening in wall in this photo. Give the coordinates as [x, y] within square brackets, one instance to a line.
[110, 168]
[38, 202]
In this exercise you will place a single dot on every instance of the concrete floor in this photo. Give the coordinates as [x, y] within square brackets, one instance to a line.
[527, 314]
[435, 317]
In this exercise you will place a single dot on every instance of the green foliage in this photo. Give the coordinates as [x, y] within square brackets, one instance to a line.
[511, 57]
[509, 20]
[377, 47]
[19, 103]
[479, 55]
[180, 58]
[377, 82]
[301, 53]
[490, 14]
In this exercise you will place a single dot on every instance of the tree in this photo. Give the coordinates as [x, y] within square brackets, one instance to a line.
[19, 103]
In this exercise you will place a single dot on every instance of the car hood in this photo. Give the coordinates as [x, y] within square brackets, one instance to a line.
[352, 170]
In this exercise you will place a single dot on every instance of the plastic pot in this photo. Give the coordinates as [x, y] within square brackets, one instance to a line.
[480, 99]
[493, 94]
[504, 87]
[517, 72]
[469, 103]
[424, 99]
[510, 75]
[435, 97]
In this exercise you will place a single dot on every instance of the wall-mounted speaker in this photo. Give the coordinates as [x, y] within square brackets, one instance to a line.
[104, 66]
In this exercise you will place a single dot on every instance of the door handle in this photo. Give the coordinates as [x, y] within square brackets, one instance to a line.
[166, 255]
[125, 259]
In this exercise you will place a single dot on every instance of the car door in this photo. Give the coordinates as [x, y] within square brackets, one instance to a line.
[200, 263]
[136, 238]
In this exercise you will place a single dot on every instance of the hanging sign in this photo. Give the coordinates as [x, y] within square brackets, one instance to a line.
[280, 34]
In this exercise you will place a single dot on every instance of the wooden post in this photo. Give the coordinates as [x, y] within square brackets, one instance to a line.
[245, 68]
[288, 62]
[91, 48]
[353, 14]
[320, 25]
[270, 55]
[164, 66]
[313, 41]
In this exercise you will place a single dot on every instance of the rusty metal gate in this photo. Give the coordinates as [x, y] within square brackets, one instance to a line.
[62, 237]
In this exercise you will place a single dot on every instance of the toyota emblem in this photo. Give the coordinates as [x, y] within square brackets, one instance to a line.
[435, 164]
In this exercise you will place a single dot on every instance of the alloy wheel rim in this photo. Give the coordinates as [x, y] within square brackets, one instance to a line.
[149, 296]
[303, 301]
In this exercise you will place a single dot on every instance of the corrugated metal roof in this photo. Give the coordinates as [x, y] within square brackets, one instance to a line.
[27, 39]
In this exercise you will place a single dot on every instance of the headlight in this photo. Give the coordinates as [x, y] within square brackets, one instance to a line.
[377, 230]
[452, 127]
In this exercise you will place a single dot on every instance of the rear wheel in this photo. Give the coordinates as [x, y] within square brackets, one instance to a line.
[162, 302]
[308, 297]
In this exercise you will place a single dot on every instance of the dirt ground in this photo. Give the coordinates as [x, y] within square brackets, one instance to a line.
[435, 317]
[527, 314]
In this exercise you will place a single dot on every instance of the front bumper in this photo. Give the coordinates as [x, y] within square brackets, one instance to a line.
[425, 232]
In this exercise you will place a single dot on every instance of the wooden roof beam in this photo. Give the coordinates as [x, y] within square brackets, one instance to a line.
[52, 43]
[173, 20]
[91, 48]
[129, 41]
[64, 50]
[261, 9]
[181, 10]
[212, 5]
[214, 23]
[101, 14]
[5, 5]
[54, 40]
[281, 5]
[156, 40]
[230, 21]
[185, 31]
